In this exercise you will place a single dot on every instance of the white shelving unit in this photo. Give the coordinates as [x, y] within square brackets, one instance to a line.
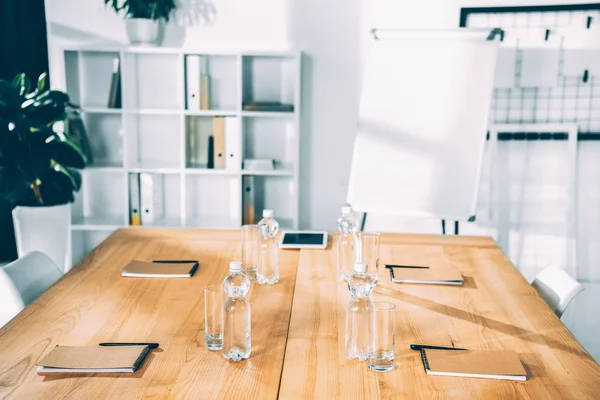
[155, 132]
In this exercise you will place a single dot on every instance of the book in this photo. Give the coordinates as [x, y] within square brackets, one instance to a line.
[434, 276]
[491, 364]
[219, 142]
[114, 95]
[134, 199]
[151, 197]
[192, 75]
[204, 92]
[93, 359]
[272, 106]
[160, 269]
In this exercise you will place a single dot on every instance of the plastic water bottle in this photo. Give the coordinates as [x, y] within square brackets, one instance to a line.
[361, 285]
[236, 314]
[347, 243]
[268, 263]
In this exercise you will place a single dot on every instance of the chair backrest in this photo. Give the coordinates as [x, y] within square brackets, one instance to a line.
[52, 237]
[23, 281]
[557, 288]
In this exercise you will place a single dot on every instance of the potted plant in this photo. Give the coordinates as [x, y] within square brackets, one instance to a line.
[144, 18]
[39, 165]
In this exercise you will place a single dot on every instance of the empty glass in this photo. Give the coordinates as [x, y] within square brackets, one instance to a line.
[382, 347]
[250, 250]
[214, 297]
[369, 252]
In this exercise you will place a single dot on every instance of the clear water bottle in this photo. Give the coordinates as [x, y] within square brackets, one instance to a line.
[268, 262]
[361, 284]
[236, 314]
[347, 243]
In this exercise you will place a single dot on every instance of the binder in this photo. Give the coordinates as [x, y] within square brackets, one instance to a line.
[134, 200]
[248, 199]
[204, 92]
[219, 141]
[151, 197]
[233, 144]
[192, 80]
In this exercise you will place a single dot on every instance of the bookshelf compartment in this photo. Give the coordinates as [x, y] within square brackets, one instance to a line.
[226, 147]
[270, 138]
[213, 201]
[89, 76]
[84, 242]
[269, 192]
[268, 79]
[105, 136]
[151, 81]
[216, 76]
[153, 141]
[159, 197]
[100, 202]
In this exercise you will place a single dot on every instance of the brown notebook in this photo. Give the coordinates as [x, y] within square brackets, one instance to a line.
[493, 364]
[93, 359]
[436, 276]
[160, 269]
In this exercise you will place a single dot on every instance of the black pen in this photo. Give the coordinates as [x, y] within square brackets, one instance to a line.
[426, 346]
[151, 345]
[405, 266]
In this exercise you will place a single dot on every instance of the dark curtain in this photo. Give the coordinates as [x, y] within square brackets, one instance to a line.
[23, 48]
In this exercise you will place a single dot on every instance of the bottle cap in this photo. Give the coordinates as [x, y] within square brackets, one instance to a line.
[360, 267]
[346, 210]
[268, 213]
[235, 266]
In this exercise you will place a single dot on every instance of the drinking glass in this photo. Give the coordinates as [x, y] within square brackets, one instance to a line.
[369, 252]
[250, 250]
[214, 298]
[382, 345]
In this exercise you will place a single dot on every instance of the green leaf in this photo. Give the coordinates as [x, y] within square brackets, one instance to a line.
[22, 83]
[73, 175]
[41, 83]
[67, 154]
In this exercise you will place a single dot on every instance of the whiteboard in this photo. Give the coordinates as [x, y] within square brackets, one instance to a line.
[422, 123]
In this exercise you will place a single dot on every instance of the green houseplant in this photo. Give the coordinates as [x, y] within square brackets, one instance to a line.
[39, 163]
[144, 18]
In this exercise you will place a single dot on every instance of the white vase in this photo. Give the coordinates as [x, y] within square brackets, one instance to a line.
[44, 229]
[144, 32]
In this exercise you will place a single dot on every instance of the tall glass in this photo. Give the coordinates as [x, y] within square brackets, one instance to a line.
[250, 250]
[214, 298]
[369, 252]
[382, 347]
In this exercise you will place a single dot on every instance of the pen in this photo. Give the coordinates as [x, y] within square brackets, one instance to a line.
[426, 346]
[151, 345]
[175, 261]
[405, 266]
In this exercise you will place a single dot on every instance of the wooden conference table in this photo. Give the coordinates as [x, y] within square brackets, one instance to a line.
[297, 326]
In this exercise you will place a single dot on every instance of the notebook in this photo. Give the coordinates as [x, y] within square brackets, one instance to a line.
[93, 359]
[493, 364]
[435, 276]
[160, 269]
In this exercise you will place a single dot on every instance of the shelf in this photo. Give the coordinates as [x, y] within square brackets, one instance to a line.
[105, 167]
[200, 169]
[155, 168]
[101, 110]
[98, 223]
[168, 222]
[268, 114]
[275, 172]
[211, 223]
[151, 111]
[211, 113]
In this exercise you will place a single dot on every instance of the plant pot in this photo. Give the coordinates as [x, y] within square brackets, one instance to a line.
[44, 229]
[144, 32]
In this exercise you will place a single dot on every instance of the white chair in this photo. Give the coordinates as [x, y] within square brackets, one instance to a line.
[23, 281]
[557, 288]
[44, 229]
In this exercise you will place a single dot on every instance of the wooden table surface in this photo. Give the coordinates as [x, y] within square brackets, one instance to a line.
[299, 356]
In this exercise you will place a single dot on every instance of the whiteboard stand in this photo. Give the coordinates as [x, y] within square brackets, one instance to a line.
[422, 123]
